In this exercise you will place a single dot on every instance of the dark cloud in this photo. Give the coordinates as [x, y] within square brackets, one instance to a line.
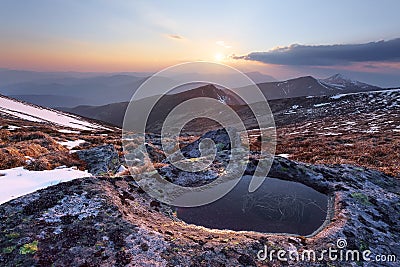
[175, 36]
[369, 66]
[329, 55]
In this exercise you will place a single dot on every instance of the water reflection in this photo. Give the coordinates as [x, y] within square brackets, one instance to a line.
[278, 206]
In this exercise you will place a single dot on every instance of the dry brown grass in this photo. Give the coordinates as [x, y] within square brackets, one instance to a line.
[39, 141]
[47, 154]
[10, 158]
[379, 150]
[54, 160]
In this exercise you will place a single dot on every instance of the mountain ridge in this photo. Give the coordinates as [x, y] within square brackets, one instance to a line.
[340, 81]
[311, 86]
[102, 89]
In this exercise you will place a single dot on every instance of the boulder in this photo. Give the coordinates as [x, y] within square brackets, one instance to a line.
[100, 160]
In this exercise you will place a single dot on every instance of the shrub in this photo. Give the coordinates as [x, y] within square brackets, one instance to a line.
[22, 136]
[360, 197]
[11, 158]
[29, 248]
[8, 250]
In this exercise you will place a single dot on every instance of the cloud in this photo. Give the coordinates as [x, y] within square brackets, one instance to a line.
[370, 66]
[328, 55]
[175, 36]
[223, 44]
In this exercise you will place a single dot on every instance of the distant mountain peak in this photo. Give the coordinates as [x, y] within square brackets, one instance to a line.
[338, 77]
[342, 82]
[258, 77]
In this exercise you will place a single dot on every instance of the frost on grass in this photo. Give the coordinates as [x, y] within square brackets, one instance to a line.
[146, 248]
[74, 205]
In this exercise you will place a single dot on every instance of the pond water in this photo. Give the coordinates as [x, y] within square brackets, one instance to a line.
[277, 206]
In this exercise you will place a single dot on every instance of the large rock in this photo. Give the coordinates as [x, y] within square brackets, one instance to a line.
[100, 160]
[220, 137]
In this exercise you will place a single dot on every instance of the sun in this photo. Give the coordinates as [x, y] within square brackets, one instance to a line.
[219, 57]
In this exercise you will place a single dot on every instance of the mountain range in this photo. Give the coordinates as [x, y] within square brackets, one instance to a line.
[310, 86]
[105, 97]
[300, 87]
[70, 89]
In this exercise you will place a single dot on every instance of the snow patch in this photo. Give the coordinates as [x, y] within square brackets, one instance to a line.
[18, 181]
[121, 170]
[38, 114]
[321, 104]
[284, 155]
[72, 144]
[330, 134]
[68, 131]
[338, 96]
[10, 127]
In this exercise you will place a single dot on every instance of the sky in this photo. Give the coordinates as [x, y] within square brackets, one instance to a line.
[283, 38]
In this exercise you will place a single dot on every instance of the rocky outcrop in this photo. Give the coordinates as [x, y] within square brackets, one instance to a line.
[103, 221]
[112, 222]
[220, 137]
[102, 160]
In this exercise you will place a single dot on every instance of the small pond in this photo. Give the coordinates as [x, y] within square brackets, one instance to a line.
[277, 206]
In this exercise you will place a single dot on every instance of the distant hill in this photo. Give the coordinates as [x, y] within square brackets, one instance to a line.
[94, 90]
[52, 101]
[71, 89]
[114, 113]
[310, 86]
[110, 113]
[259, 77]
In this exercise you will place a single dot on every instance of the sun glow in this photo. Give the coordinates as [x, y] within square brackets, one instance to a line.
[219, 57]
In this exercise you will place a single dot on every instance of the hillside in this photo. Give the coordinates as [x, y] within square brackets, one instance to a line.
[310, 86]
[17, 109]
[100, 216]
[111, 221]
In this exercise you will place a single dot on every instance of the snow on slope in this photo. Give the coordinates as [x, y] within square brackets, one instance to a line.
[342, 82]
[71, 144]
[382, 92]
[17, 182]
[33, 113]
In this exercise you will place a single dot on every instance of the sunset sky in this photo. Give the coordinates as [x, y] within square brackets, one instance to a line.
[281, 38]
